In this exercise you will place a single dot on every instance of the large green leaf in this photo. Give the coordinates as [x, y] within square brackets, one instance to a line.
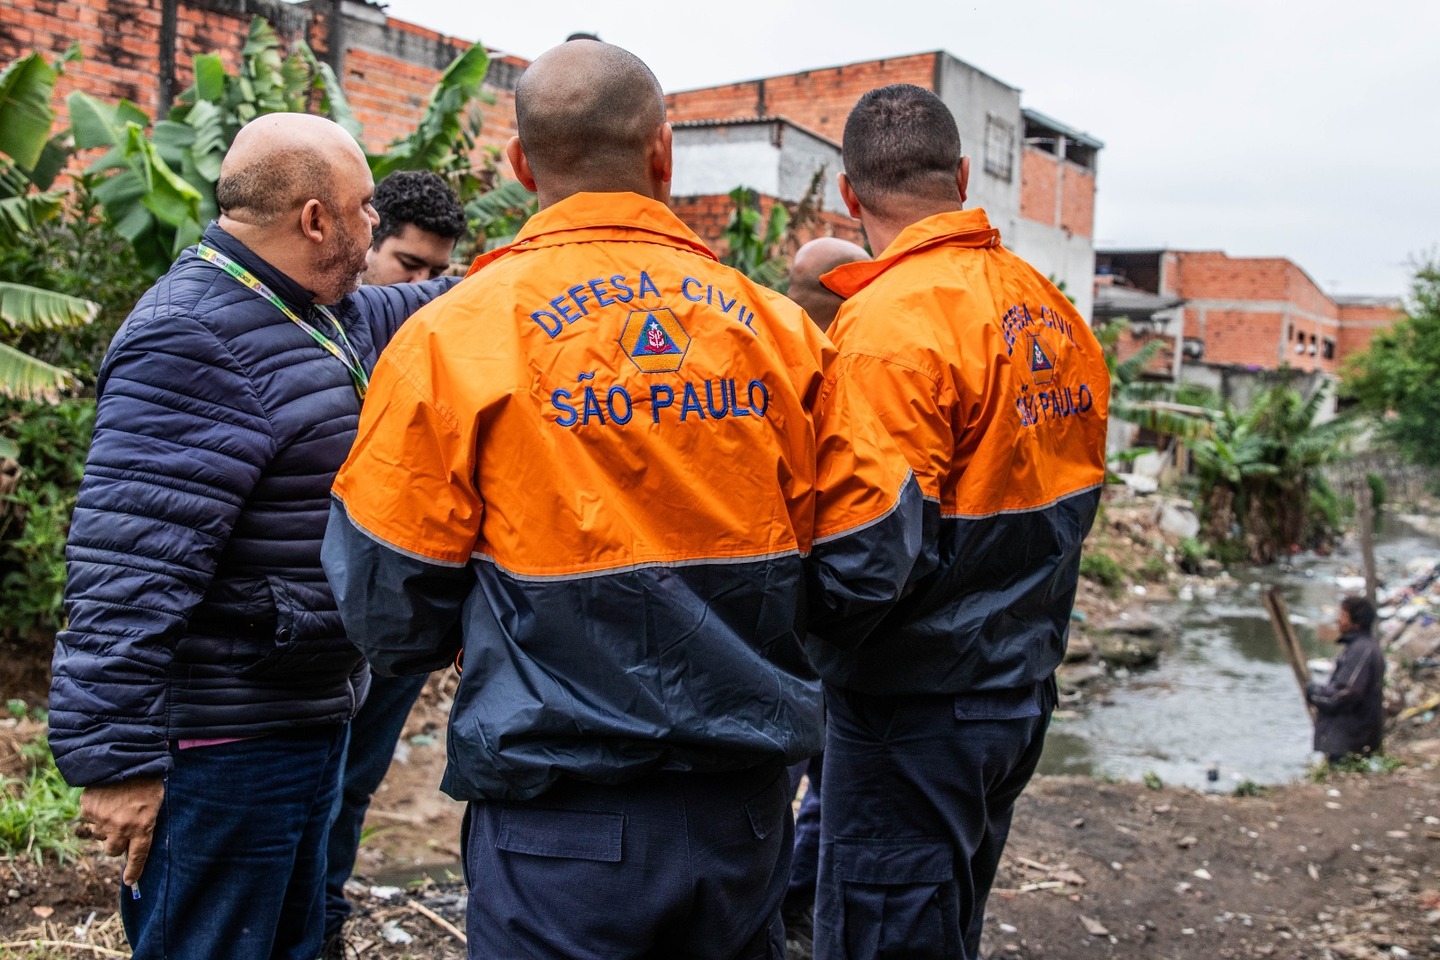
[442, 123]
[209, 78]
[31, 308]
[26, 378]
[18, 215]
[25, 114]
[332, 94]
[210, 142]
[96, 124]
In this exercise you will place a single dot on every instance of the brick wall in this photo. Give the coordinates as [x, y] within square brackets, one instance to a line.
[1039, 186]
[120, 40]
[1359, 322]
[1267, 312]
[818, 100]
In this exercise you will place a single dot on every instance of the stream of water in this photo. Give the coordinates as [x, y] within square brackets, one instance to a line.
[1222, 695]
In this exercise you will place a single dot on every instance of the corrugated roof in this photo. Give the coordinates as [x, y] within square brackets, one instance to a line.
[1085, 139]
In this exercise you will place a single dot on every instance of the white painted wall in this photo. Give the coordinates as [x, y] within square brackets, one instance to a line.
[716, 160]
[1068, 257]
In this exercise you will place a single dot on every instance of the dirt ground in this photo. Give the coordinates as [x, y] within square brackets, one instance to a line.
[1348, 868]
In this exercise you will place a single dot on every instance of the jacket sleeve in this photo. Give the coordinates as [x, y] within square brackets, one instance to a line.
[1354, 676]
[402, 528]
[386, 308]
[180, 441]
[868, 516]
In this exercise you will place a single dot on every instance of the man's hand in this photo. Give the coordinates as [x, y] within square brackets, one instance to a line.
[123, 815]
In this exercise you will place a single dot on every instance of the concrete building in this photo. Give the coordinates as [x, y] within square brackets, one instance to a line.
[1223, 319]
[1035, 177]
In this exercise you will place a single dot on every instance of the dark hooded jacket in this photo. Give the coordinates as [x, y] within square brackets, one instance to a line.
[1349, 715]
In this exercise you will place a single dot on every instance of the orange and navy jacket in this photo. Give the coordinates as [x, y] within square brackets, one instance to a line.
[624, 479]
[997, 391]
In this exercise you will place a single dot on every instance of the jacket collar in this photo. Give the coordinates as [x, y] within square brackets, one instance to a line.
[286, 289]
[961, 228]
[586, 217]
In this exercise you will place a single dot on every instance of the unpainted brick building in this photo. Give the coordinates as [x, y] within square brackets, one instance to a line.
[1217, 313]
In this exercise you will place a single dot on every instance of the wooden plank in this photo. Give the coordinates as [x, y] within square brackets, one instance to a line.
[1285, 637]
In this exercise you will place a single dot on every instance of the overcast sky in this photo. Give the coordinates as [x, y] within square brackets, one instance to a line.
[1258, 127]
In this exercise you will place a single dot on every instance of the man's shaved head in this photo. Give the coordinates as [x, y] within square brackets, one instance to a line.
[812, 261]
[281, 160]
[586, 111]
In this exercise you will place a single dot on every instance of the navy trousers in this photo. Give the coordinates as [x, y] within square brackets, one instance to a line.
[373, 735]
[805, 863]
[670, 866]
[919, 793]
[237, 870]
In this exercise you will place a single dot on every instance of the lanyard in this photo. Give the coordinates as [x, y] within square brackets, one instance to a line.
[342, 351]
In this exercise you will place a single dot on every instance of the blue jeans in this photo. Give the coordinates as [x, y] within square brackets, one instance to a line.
[672, 865]
[237, 869]
[919, 793]
[373, 735]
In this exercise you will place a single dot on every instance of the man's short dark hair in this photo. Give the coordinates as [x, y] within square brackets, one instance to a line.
[1360, 611]
[419, 197]
[901, 139]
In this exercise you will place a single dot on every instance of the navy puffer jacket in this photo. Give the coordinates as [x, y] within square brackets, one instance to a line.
[197, 606]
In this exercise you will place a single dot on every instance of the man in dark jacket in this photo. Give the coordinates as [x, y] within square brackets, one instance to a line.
[1349, 715]
[202, 688]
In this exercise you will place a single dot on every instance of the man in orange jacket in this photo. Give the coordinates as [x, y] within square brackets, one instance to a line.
[996, 390]
[620, 480]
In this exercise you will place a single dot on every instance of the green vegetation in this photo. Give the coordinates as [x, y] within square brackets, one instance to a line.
[1397, 380]
[1259, 474]
[37, 808]
[30, 160]
[1248, 788]
[1355, 763]
[1103, 569]
[1152, 781]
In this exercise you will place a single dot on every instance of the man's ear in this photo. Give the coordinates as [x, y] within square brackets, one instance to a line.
[662, 164]
[962, 178]
[520, 164]
[314, 221]
[847, 193]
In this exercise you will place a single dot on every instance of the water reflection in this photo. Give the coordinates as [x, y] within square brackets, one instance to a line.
[1223, 695]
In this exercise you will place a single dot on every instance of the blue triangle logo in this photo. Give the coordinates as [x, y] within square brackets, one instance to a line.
[654, 341]
[1039, 359]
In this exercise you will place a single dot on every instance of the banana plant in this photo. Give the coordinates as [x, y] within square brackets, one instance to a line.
[753, 241]
[30, 159]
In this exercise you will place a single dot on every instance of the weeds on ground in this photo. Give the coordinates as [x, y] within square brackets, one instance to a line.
[1248, 788]
[1355, 763]
[1152, 781]
[38, 808]
[1103, 569]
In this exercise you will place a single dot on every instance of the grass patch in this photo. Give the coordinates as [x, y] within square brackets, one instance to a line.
[37, 808]
[1355, 763]
[1247, 788]
[1103, 569]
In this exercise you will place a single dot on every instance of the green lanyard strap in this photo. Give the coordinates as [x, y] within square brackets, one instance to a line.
[342, 351]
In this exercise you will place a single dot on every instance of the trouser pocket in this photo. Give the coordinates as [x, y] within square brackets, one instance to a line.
[897, 898]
